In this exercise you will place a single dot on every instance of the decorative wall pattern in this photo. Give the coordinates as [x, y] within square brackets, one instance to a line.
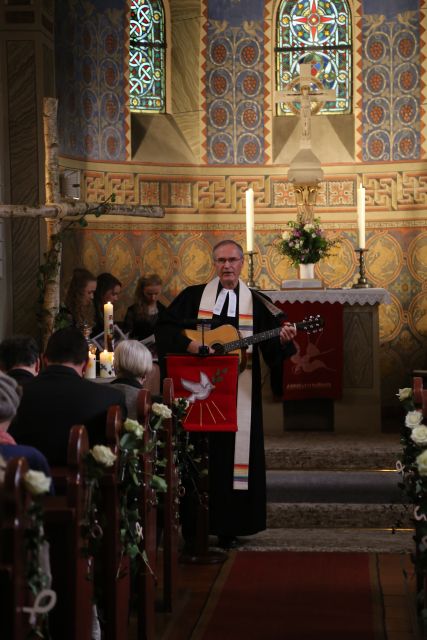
[235, 90]
[388, 191]
[90, 79]
[391, 83]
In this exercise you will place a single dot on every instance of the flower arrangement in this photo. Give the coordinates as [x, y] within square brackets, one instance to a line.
[304, 243]
[413, 470]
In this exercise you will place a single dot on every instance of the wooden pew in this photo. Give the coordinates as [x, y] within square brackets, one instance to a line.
[15, 593]
[170, 511]
[72, 580]
[147, 504]
[115, 566]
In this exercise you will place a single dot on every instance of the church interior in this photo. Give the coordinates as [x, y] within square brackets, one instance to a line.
[146, 167]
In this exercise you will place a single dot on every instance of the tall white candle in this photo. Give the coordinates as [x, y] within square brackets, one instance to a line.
[91, 366]
[106, 364]
[361, 216]
[250, 220]
[108, 320]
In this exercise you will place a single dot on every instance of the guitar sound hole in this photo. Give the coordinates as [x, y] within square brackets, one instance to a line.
[218, 348]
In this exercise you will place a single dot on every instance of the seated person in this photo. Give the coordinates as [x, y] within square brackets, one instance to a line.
[59, 397]
[108, 289]
[132, 363]
[20, 358]
[10, 395]
[142, 316]
[78, 308]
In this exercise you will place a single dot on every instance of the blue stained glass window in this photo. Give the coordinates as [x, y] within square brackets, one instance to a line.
[147, 56]
[315, 32]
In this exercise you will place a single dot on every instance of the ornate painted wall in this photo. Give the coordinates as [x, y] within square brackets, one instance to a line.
[382, 144]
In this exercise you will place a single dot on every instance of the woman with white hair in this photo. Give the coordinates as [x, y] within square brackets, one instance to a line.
[132, 364]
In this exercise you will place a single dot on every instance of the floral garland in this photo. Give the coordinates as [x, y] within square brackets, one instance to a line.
[413, 470]
[38, 578]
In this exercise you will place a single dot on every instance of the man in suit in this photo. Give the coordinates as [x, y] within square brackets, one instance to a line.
[20, 358]
[59, 397]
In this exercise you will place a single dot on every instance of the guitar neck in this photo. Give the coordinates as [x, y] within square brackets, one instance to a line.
[254, 339]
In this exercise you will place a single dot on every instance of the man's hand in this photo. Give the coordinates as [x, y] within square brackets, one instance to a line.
[194, 347]
[287, 333]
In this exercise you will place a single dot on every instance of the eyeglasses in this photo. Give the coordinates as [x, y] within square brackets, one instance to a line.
[224, 260]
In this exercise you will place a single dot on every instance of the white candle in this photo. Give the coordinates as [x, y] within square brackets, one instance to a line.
[361, 216]
[91, 366]
[106, 364]
[249, 220]
[108, 321]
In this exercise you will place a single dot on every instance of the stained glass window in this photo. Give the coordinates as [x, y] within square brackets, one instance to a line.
[315, 32]
[147, 56]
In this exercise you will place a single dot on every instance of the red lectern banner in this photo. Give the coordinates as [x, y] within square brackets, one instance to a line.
[315, 371]
[210, 386]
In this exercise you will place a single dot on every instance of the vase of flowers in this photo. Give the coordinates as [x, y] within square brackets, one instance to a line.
[304, 244]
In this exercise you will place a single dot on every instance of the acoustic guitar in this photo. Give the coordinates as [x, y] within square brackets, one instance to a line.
[227, 339]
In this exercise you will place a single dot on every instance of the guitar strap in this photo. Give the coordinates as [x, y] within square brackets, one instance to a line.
[275, 311]
[244, 389]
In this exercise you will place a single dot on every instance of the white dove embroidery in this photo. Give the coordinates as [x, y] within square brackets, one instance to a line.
[199, 390]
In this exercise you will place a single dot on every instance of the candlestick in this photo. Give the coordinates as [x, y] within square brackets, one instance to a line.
[108, 326]
[362, 283]
[90, 372]
[361, 215]
[106, 364]
[249, 220]
[251, 282]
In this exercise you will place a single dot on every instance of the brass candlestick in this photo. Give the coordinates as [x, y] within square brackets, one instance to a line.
[362, 283]
[251, 282]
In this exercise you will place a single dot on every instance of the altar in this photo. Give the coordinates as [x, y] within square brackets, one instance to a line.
[358, 410]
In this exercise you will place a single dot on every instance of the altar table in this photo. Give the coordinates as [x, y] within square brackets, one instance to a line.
[359, 408]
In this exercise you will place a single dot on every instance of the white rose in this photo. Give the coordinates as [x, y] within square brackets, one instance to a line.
[286, 235]
[419, 435]
[133, 426]
[103, 455]
[421, 462]
[404, 394]
[308, 226]
[161, 410]
[413, 419]
[36, 482]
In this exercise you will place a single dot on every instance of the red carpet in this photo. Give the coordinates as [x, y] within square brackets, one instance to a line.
[294, 596]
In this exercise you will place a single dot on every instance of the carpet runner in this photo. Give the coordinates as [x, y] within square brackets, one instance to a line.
[301, 596]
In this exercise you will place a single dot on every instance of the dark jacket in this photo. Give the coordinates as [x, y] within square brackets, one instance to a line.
[53, 402]
[22, 376]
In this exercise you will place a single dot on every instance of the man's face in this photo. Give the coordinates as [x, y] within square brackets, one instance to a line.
[228, 265]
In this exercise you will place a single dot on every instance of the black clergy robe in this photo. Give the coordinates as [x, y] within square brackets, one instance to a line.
[232, 512]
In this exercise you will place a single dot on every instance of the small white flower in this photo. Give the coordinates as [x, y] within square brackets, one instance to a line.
[36, 482]
[413, 419]
[419, 435]
[421, 462]
[103, 455]
[286, 235]
[133, 426]
[161, 410]
[404, 394]
[308, 226]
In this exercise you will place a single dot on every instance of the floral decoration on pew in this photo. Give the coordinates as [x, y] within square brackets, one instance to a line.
[132, 475]
[190, 464]
[97, 461]
[413, 470]
[38, 485]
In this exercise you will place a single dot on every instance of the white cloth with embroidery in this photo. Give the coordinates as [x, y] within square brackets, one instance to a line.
[209, 304]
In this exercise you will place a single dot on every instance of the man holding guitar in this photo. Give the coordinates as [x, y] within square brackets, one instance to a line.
[237, 501]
